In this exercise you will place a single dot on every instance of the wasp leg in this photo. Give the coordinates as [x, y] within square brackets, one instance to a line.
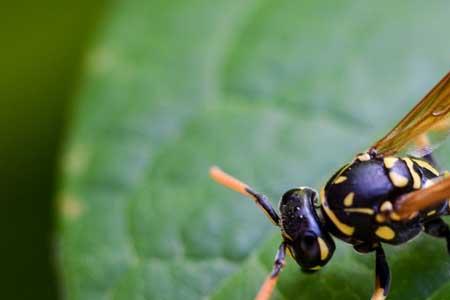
[438, 228]
[364, 248]
[382, 275]
[266, 289]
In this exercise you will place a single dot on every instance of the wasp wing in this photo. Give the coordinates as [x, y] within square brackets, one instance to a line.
[430, 118]
[425, 198]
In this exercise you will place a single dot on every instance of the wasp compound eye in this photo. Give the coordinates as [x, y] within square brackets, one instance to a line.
[307, 252]
[308, 242]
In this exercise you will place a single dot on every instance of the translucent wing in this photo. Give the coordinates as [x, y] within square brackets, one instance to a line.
[424, 127]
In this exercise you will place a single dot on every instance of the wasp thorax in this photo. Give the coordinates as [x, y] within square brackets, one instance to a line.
[310, 246]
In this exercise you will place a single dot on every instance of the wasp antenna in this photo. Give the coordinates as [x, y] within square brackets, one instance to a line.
[234, 184]
[229, 181]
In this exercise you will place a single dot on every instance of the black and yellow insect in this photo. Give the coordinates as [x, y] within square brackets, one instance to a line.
[379, 197]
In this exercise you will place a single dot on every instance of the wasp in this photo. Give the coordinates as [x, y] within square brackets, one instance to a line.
[387, 194]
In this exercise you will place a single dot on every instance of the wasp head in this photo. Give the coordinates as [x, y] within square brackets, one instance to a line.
[307, 241]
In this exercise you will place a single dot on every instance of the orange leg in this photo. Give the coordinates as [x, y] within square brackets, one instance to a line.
[266, 290]
[413, 202]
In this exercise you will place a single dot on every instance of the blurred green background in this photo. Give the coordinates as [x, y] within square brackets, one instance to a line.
[112, 113]
[42, 45]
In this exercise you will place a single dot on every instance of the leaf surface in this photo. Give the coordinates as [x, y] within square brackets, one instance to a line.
[279, 94]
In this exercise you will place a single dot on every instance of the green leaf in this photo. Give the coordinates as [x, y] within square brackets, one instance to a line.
[278, 93]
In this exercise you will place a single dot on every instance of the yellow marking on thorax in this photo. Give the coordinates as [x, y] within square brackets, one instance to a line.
[431, 212]
[342, 170]
[386, 206]
[324, 251]
[394, 216]
[363, 157]
[427, 166]
[390, 161]
[398, 180]
[417, 182]
[348, 200]
[344, 228]
[340, 179]
[361, 210]
[385, 232]
[315, 268]
[380, 218]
